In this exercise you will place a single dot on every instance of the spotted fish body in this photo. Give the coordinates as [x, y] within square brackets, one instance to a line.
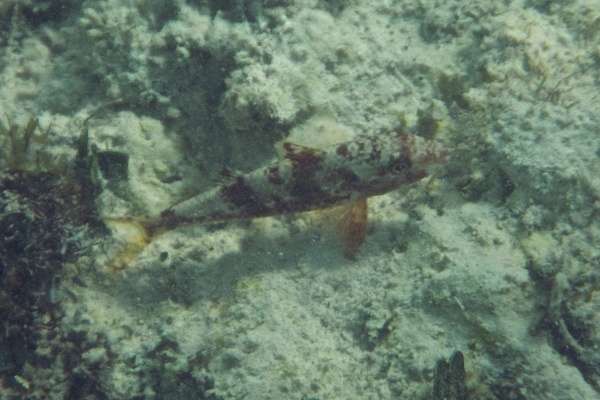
[306, 179]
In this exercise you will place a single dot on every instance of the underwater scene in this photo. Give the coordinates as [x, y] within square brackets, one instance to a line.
[299, 199]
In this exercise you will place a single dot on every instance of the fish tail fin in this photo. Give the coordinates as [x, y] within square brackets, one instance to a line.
[130, 237]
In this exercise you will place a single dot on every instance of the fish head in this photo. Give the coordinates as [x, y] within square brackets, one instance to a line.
[390, 161]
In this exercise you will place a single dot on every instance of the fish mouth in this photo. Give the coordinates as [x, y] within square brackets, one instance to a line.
[432, 162]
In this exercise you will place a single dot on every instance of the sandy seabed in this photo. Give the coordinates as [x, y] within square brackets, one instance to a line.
[499, 260]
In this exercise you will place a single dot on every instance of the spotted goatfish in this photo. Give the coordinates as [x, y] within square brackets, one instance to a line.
[307, 179]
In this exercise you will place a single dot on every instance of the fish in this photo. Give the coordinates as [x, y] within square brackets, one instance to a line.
[308, 179]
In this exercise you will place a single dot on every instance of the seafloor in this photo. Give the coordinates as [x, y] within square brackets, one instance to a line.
[125, 107]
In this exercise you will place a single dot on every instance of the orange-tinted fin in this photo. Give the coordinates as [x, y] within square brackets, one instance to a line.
[130, 237]
[352, 227]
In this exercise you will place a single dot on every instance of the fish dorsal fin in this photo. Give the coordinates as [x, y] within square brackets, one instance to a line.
[287, 147]
[291, 149]
[299, 153]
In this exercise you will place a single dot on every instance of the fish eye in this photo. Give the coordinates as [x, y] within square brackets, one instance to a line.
[401, 165]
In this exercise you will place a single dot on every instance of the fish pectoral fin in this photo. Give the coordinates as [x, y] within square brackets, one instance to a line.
[352, 227]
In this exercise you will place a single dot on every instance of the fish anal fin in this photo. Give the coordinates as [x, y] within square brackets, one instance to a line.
[352, 227]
